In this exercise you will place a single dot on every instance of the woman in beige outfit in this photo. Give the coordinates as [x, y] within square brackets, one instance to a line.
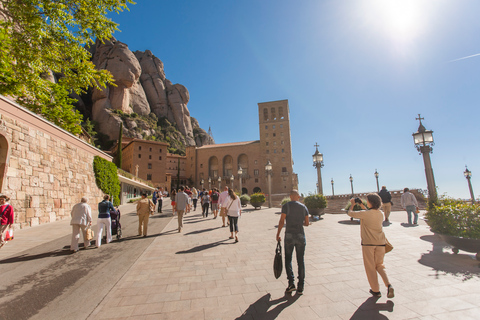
[145, 208]
[373, 242]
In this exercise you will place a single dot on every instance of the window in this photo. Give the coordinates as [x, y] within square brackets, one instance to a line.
[282, 142]
[273, 126]
[255, 172]
[160, 158]
[284, 169]
[267, 151]
[274, 143]
[160, 150]
[265, 114]
[280, 112]
[139, 156]
[149, 166]
[283, 150]
[149, 177]
[256, 180]
[266, 127]
[274, 150]
[281, 126]
[150, 157]
[283, 159]
[150, 149]
[274, 134]
[201, 165]
[256, 162]
[266, 143]
[139, 147]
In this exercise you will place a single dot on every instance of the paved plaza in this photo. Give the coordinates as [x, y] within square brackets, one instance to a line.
[201, 274]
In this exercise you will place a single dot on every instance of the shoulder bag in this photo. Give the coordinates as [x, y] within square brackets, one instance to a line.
[278, 261]
[388, 246]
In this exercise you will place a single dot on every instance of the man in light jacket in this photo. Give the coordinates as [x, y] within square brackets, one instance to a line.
[410, 204]
[181, 203]
[81, 218]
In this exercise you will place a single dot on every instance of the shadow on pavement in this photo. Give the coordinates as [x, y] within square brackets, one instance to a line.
[370, 309]
[25, 257]
[202, 231]
[354, 222]
[259, 309]
[203, 247]
[460, 265]
[406, 225]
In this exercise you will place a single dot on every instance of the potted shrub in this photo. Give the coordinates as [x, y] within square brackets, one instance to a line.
[257, 199]
[458, 223]
[244, 199]
[316, 204]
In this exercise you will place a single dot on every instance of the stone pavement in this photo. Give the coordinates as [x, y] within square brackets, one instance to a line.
[201, 274]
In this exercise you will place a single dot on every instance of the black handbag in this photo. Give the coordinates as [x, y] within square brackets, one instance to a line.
[278, 261]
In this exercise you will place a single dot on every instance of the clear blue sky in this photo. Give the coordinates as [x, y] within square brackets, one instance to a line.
[356, 74]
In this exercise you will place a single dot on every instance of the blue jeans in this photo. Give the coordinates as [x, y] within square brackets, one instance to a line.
[410, 210]
[298, 242]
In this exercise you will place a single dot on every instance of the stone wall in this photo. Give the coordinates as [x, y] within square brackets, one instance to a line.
[47, 170]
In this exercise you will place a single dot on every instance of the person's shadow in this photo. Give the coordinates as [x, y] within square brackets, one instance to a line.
[259, 309]
[370, 309]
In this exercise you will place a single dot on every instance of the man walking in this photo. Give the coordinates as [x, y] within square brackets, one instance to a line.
[181, 202]
[221, 199]
[295, 214]
[160, 195]
[387, 202]
[410, 204]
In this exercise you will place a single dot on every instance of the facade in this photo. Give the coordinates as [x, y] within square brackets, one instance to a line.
[220, 163]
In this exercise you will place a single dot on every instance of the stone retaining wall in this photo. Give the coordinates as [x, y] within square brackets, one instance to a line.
[44, 169]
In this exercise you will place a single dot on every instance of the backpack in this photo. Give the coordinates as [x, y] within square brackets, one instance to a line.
[215, 196]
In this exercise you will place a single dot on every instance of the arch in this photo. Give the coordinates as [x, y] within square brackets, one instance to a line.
[243, 163]
[257, 190]
[213, 167]
[265, 114]
[227, 166]
[3, 159]
[244, 190]
[274, 117]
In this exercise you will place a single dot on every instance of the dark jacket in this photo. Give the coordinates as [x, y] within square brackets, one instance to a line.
[385, 195]
[104, 208]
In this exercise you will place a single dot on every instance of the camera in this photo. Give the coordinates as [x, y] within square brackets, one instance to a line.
[358, 200]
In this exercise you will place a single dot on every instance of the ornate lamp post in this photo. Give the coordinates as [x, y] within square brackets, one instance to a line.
[333, 191]
[351, 182]
[268, 169]
[231, 180]
[219, 184]
[423, 140]
[209, 183]
[376, 177]
[468, 175]
[202, 182]
[318, 163]
[240, 173]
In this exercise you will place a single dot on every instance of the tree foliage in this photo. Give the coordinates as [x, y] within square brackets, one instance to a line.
[40, 39]
[106, 178]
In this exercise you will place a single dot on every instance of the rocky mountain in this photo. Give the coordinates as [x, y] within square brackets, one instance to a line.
[147, 103]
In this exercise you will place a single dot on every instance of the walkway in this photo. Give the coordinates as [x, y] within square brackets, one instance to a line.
[201, 274]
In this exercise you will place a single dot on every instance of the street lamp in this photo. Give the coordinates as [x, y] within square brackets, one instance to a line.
[376, 177]
[423, 140]
[219, 183]
[202, 182]
[209, 183]
[268, 169]
[468, 175]
[333, 191]
[231, 180]
[318, 163]
[240, 173]
[351, 182]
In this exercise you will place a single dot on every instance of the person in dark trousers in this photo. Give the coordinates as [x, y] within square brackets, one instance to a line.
[160, 195]
[205, 203]
[295, 216]
[387, 202]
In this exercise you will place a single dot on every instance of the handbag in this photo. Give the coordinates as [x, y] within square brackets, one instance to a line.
[90, 234]
[278, 261]
[9, 234]
[388, 246]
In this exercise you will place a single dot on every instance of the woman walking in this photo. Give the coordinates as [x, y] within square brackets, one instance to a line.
[373, 242]
[172, 197]
[194, 198]
[81, 219]
[234, 210]
[145, 208]
[104, 221]
[6, 218]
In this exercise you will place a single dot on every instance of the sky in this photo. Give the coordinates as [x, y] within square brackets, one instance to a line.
[356, 74]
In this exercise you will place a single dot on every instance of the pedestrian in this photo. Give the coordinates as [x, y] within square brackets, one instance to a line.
[194, 198]
[81, 219]
[410, 204]
[189, 204]
[386, 201]
[145, 208]
[234, 210]
[7, 217]
[295, 215]
[104, 221]
[205, 203]
[160, 196]
[181, 203]
[373, 242]
[172, 198]
[215, 196]
[221, 199]
[155, 196]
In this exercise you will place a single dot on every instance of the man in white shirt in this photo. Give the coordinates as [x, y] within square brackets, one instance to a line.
[410, 204]
[181, 202]
[221, 199]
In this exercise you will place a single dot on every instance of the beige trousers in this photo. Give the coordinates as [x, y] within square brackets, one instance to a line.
[143, 224]
[180, 219]
[3, 229]
[387, 208]
[373, 262]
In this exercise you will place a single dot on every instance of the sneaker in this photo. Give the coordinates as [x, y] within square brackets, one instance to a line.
[390, 293]
[290, 288]
[376, 294]
[300, 290]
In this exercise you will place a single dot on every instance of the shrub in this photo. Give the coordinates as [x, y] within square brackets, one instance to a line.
[257, 197]
[356, 207]
[285, 200]
[244, 199]
[315, 201]
[106, 178]
[455, 218]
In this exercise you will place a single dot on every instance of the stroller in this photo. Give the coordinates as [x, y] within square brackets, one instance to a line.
[116, 226]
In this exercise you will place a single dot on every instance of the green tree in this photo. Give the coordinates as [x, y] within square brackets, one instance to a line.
[39, 38]
[118, 158]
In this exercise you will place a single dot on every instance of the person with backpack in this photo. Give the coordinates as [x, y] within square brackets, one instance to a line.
[205, 203]
[6, 218]
[215, 196]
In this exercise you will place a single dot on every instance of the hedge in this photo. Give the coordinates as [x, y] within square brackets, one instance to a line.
[106, 178]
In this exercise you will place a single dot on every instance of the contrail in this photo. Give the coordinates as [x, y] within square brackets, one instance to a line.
[473, 55]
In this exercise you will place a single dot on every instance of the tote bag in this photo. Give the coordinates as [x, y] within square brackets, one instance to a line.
[278, 261]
